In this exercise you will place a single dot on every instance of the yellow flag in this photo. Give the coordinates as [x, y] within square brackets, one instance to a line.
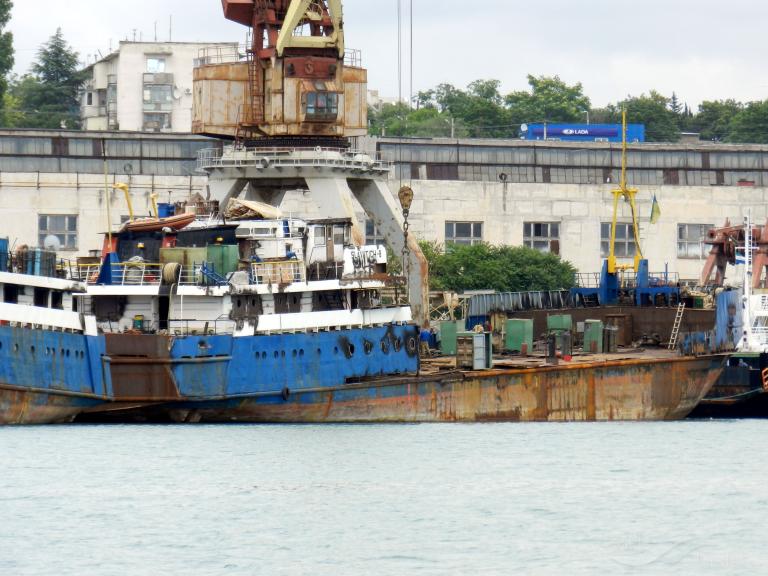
[655, 210]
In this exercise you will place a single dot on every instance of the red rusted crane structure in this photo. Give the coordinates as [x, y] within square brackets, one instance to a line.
[725, 242]
[291, 84]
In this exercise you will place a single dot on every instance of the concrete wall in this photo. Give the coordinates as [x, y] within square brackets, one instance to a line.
[25, 196]
[579, 209]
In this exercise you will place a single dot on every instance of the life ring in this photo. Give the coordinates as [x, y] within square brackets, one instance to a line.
[265, 162]
[309, 68]
[285, 393]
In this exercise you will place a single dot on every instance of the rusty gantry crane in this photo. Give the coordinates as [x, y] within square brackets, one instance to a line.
[287, 103]
[293, 84]
[726, 242]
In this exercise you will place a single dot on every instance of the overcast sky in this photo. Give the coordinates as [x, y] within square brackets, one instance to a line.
[701, 49]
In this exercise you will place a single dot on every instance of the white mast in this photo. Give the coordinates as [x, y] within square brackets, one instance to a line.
[747, 342]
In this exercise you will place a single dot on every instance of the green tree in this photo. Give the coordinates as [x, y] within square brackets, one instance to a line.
[427, 122]
[653, 111]
[674, 105]
[549, 99]
[501, 268]
[49, 95]
[713, 120]
[750, 125]
[479, 108]
[6, 48]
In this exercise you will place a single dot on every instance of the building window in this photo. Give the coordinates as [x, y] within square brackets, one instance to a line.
[690, 240]
[158, 94]
[463, 232]
[442, 171]
[321, 105]
[55, 229]
[155, 65]
[542, 236]
[372, 235]
[157, 121]
[625, 240]
[89, 99]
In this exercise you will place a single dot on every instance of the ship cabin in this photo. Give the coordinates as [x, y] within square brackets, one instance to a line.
[250, 276]
[36, 292]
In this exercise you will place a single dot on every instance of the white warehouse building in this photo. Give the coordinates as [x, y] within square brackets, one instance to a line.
[553, 196]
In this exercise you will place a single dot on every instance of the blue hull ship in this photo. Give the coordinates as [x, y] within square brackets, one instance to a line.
[50, 355]
[225, 313]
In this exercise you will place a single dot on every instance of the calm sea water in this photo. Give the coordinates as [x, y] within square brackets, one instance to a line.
[666, 498]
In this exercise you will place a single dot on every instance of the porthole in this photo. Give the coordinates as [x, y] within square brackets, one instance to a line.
[282, 353]
[295, 353]
[68, 351]
[32, 349]
[319, 352]
[367, 346]
[276, 354]
[263, 355]
[15, 347]
[351, 349]
[385, 346]
[301, 352]
[398, 344]
[335, 349]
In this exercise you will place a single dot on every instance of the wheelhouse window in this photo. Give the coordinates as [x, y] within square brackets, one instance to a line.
[59, 230]
[463, 233]
[321, 105]
[625, 240]
[319, 234]
[542, 236]
[690, 240]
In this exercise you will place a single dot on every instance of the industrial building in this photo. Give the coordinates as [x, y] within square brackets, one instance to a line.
[553, 196]
[144, 86]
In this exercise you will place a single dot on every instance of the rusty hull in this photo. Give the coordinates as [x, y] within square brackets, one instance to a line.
[28, 406]
[627, 389]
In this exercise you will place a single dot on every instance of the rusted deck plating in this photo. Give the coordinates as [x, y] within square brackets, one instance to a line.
[665, 388]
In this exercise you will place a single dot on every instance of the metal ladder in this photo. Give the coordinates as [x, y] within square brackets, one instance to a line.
[676, 326]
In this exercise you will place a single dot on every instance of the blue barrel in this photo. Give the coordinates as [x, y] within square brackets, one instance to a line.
[165, 210]
[3, 254]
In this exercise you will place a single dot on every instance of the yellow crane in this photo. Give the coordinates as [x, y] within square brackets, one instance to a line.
[628, 194]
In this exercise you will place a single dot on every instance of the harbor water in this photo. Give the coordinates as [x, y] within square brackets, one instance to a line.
[630, 498]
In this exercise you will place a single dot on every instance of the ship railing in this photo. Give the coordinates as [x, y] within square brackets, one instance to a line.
[225, 54]
[663, 279]
[149, 274]
[627, 279]
[263, 158]
[32, 262]
[282, 272]
[353, 57]
[586, 279]
[197, 327]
